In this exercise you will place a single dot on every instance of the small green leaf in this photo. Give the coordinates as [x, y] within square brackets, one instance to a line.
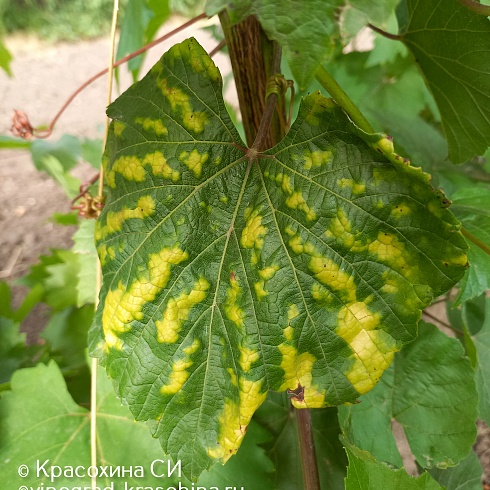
[229, 274]
[66, 150]
[307, 37]
[84, 248]
[472, 207]
[5, 59]
[365, 473]
[451, 44]
[439, 422]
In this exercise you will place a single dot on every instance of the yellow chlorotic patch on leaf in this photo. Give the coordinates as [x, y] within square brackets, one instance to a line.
[204, 64]
[179, 373]
[247, 358]
[341, 229]
[129, 167]
[179, 102]
[160, 167]
[312, 159]
[235, 418]
[106, 253]
[178, 310]
[297, 373]
[297, 201]
[390, 250]
[254, 231]
[115, 219]
[194, 161]
[119, 127]
[288, 332]
[232, 310]
[123, 305]
[373, 353]
[154, 125]
[401, 210]
[293, 312]
[260, 292]
[285, 181]
[356, 187]
[329, 273]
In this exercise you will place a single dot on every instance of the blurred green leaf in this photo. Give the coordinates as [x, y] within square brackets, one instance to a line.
[84, 248]
[5, 59]
[16, 143]
[366, 473]
[451, 44]
[66, 150]
[430, 391]
[472, 207]
[92, 152]
[141, 21]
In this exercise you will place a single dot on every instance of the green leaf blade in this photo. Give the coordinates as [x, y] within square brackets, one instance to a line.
[451, 45]
[227, 276]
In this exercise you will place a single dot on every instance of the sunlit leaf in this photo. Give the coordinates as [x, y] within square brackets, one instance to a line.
[229, 273]
[430, 391]
[451, 44]
[84, 248]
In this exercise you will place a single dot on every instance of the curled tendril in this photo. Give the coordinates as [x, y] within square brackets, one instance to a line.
[21, 126]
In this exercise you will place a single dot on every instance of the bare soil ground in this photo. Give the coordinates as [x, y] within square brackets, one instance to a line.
[44, 76]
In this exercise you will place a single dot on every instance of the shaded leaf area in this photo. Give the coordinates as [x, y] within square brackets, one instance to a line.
[14, 353]
[278, 416]
[472, 206]
[307, 38]
[451, 44]
[228, 274]
[431, 392]
[465, 476]
[40, 421]
[473, 317]
[366, 473]
[84, 248]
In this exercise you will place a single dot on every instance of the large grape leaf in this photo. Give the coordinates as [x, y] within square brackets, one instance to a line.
[430, 391]
[451, 44]
[229, 273]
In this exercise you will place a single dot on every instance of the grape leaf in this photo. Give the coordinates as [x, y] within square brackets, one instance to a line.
[40, 421]
[229, 273]
[472, 207]
[365, 473]
[439, 421]
[451, 45]
[466, 476]
[5, 59]
[307, 37]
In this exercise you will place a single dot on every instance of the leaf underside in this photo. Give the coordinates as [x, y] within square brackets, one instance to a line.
[302, 269]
